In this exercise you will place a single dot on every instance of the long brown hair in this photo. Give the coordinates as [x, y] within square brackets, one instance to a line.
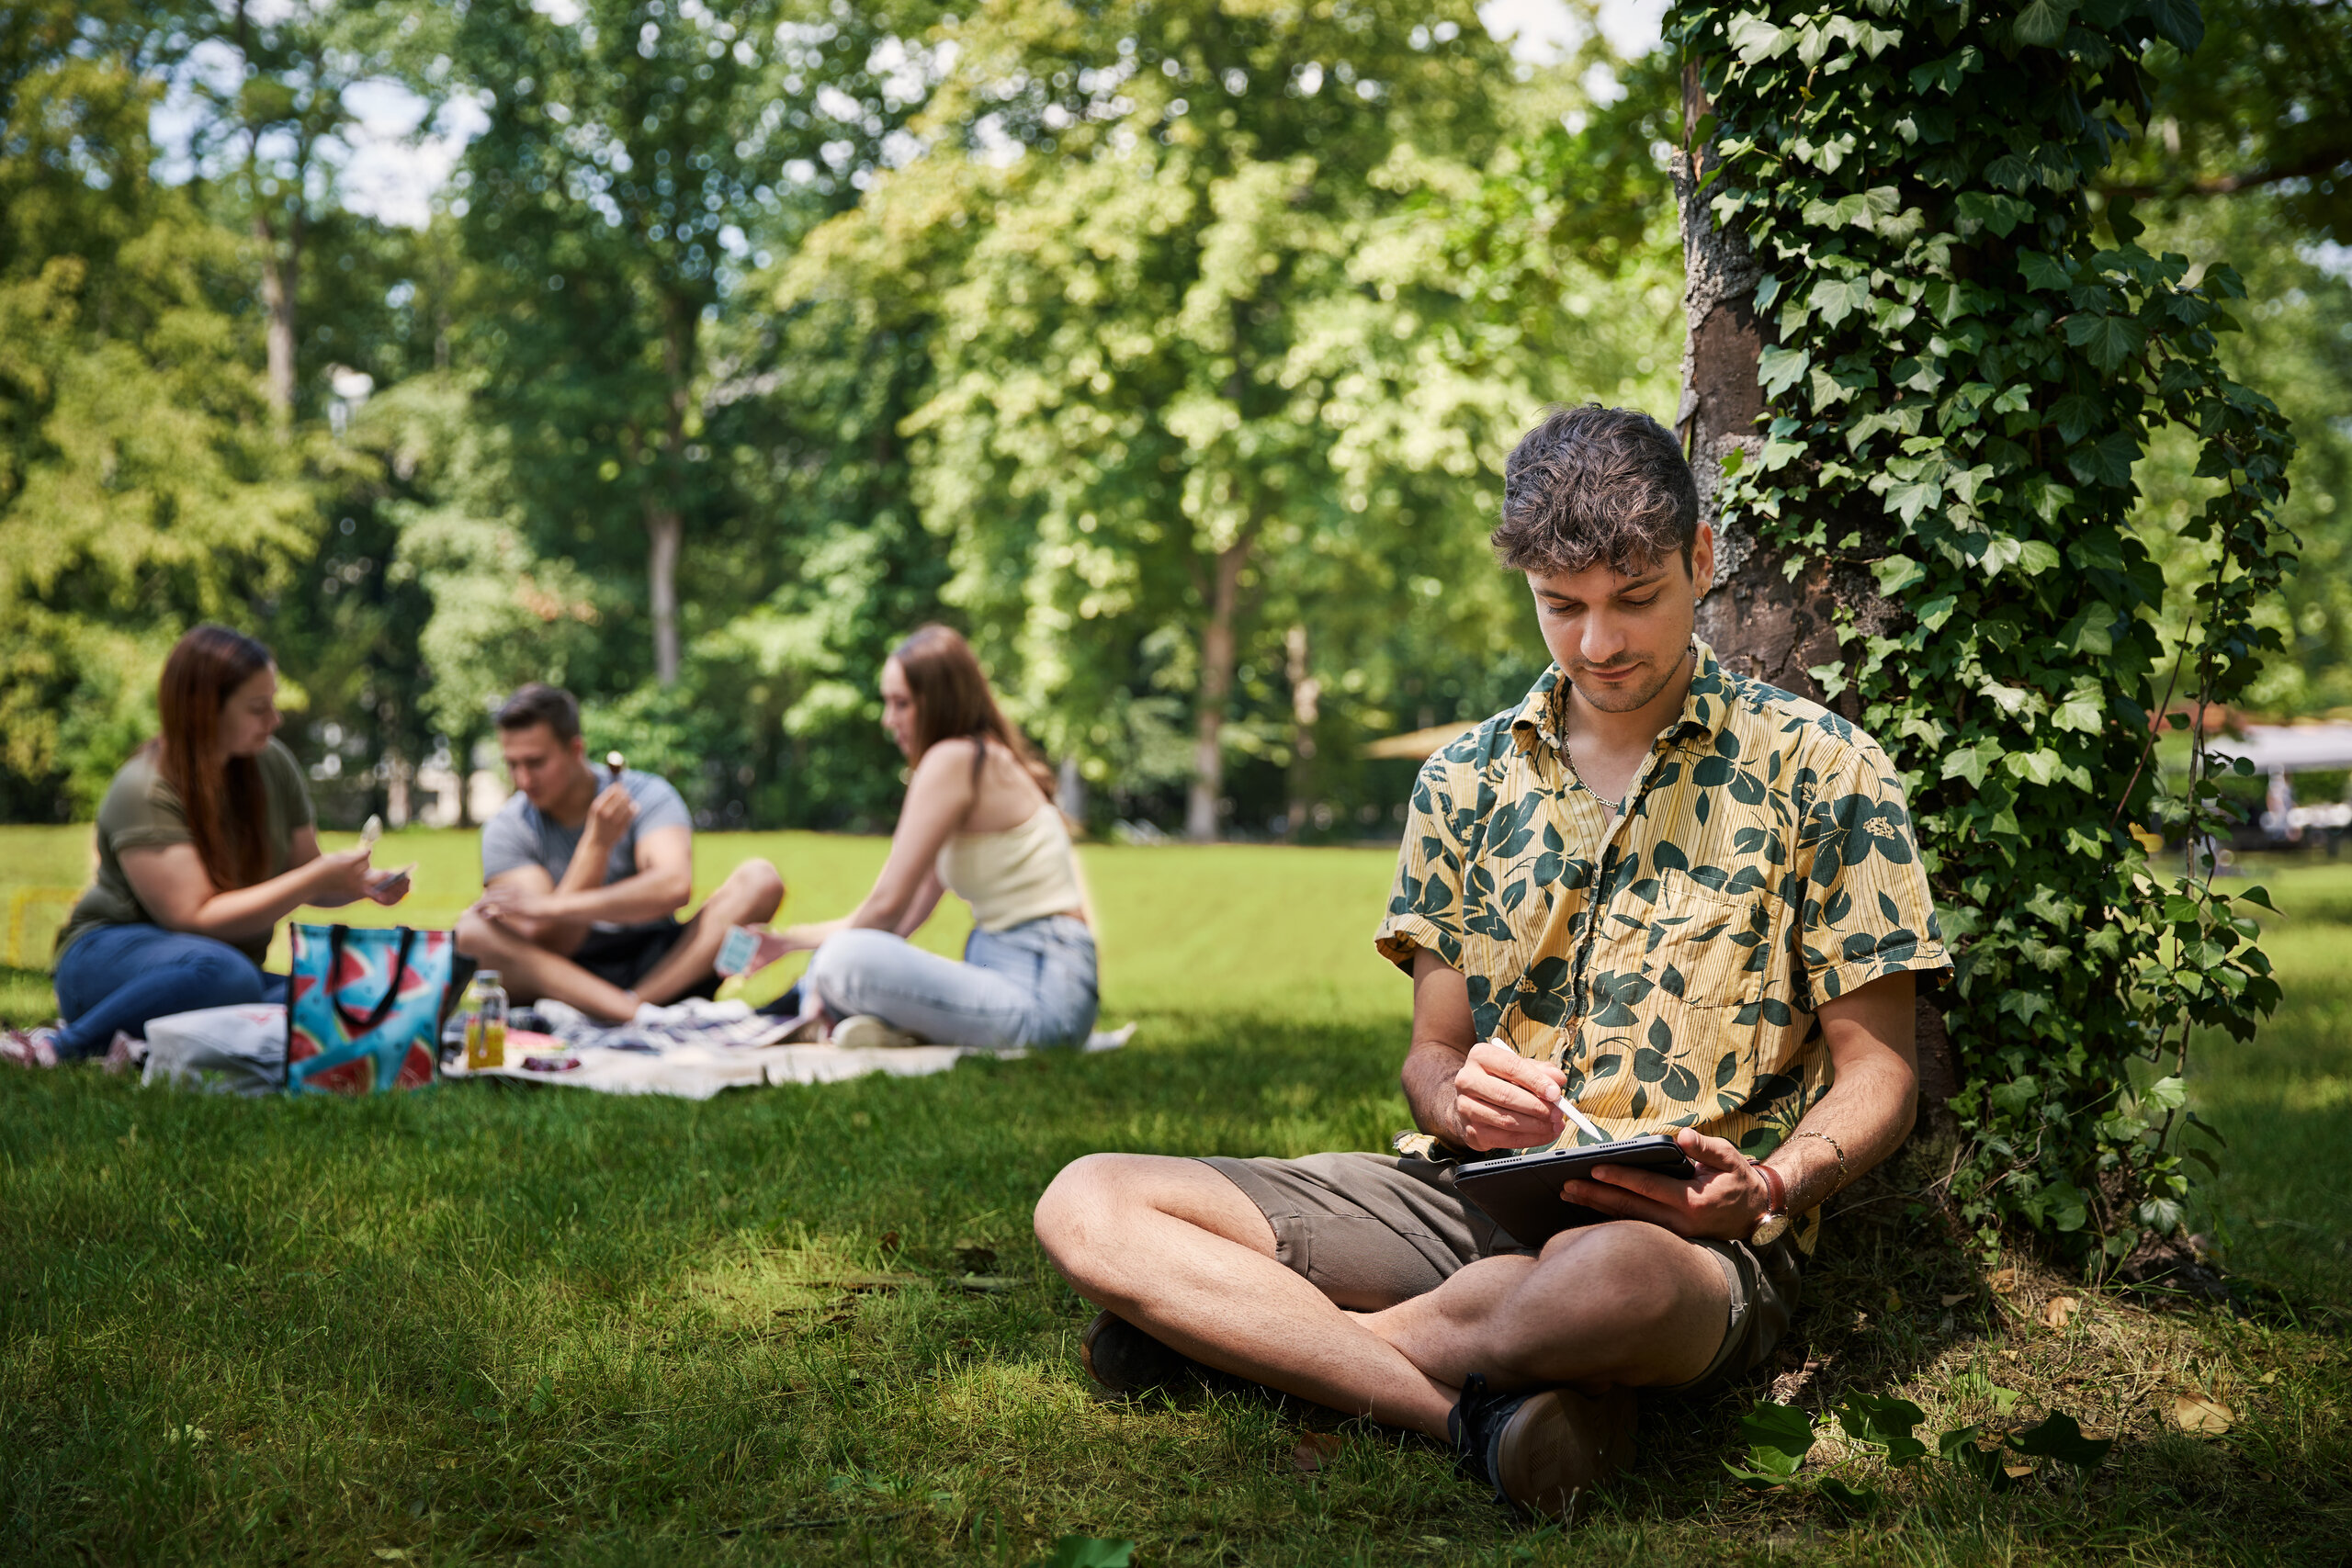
[224, 804]
[953, 700]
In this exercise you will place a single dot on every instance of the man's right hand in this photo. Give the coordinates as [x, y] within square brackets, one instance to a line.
[1502, 1101]
[610, 814]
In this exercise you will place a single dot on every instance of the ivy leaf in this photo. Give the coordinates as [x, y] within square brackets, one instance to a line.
[2106, 461]
[1754, 39]
[1908, 498]
[2043, 21]
[2177, 23]
[2084, 709]
[2059, 1438]
[2040, 766]
[1970, 762]
[1998, 213]
[1778, 368]
[2109, 340]
[1895, 573]
[2037, 557]
[2074, 414]
[1838, 298]
[2041, 271]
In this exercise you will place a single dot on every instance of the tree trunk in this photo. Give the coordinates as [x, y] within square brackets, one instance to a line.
[664, 530]
[1758, 619]
[665, 524]
[278, 277]
[1306, 704]
[1216, 685]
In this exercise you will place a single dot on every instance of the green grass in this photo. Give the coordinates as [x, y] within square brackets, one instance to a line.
[497, 1324]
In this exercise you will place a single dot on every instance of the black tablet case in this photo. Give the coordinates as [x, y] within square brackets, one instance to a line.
[1522, 1192]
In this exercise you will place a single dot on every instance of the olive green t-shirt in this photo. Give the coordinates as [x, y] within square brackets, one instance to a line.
[141, 811]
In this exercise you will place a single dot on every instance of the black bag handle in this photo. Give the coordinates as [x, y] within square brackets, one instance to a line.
[359, 1026]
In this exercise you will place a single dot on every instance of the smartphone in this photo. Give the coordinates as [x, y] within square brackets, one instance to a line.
[737, 949]
[1522, 1192]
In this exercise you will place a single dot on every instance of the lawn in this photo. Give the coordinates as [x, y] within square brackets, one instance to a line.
[809, 1325]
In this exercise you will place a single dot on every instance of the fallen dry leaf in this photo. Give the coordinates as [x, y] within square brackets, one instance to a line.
[2004, 1280]
[2016, 1472]
[2060, 1310]
[1315, 1451]
[2196, 1411]
[2268, 1378]
[1953, 1298]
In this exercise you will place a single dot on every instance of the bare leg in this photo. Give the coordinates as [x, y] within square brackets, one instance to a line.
[751, 893]
[530, 972]
[1181, 1252]
[1625, 1303]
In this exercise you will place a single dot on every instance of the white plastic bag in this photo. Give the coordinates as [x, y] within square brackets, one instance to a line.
[232, 1050]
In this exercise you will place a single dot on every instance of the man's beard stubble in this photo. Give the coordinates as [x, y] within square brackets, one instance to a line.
[1627, 699]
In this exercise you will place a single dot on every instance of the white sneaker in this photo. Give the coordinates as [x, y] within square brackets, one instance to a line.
[865, 1032]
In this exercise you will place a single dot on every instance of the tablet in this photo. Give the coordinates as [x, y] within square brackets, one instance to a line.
[1522, 1192]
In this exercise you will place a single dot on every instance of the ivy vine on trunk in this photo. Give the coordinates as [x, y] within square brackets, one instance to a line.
[1958, 360]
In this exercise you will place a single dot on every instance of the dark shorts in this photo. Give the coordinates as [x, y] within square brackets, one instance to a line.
[1370, 1230]
[626, 956]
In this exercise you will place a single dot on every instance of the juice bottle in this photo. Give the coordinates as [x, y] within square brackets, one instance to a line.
[486, 1024]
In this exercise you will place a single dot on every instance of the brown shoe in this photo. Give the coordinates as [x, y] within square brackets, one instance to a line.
[1538, 1448]
[1123, 1360]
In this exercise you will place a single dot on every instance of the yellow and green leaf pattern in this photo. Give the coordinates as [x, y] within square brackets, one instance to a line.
[1672, 964]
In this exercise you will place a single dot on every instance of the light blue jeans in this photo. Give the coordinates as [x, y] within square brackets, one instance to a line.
[1032, 985]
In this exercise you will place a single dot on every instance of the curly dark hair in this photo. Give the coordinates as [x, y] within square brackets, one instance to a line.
[1591, 485]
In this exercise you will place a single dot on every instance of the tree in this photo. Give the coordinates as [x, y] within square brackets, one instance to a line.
[1918, 384]
[140, 487]
[635, 148]
[1189, 341]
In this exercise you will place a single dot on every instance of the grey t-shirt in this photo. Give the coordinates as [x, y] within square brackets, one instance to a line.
[520, 834]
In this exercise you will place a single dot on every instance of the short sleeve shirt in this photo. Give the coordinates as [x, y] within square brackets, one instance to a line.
[1670, 962]
[520, 834]
[142, 811]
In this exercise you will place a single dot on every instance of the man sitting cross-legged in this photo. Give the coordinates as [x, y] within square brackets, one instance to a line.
[581, 883]
[1666, 895]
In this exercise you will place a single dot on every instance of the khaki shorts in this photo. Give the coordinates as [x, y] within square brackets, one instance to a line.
[1370, 1230]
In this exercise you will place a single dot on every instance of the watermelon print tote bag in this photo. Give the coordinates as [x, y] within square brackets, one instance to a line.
[362, 1008]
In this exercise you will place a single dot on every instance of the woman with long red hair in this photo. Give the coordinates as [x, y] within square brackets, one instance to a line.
[980, 821]
[206, 841]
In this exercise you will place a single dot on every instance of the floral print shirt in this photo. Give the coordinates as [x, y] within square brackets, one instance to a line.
[1672, 961]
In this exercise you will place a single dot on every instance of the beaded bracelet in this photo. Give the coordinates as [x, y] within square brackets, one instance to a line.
[1834, 1148]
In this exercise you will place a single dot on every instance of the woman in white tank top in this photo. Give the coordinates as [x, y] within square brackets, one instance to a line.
[980, 821]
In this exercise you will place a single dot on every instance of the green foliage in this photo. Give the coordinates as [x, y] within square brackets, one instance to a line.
[1880, 1426]
[1225, 359]
[1962, 379]
[140, 488]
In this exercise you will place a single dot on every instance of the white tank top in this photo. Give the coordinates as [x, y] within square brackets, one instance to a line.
[1020, 874]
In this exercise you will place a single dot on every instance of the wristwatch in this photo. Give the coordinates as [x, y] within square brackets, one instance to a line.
[1774, 1222]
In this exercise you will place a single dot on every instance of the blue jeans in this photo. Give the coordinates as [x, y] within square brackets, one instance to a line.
[1032, 985]
[117, 977]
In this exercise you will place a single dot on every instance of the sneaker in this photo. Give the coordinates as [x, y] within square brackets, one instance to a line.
[29, 1047]
[864, 1032]
[1539, 1448]
[1124, 1360]
[126, 1054]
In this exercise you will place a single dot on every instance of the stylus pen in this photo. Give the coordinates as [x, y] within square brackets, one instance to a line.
[1584, 1122]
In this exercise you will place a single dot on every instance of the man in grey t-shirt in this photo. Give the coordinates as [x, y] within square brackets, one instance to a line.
[583, 877]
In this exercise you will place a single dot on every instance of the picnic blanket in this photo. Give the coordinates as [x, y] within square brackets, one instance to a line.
[695, 1049]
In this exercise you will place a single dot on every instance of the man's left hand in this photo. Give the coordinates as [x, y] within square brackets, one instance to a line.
[1722, 1198]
